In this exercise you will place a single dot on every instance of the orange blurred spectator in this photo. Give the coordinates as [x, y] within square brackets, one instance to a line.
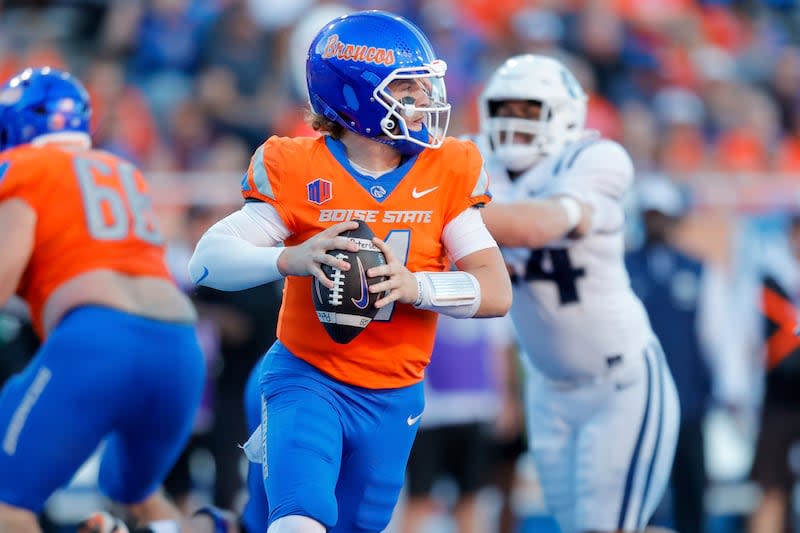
[740, 150]
[9, 66]
[681, 114]
[121, 117]
[683, 151]
[292, 123]
[675, 56]
[678, 66]
[493, 16]
[787, 159]
[603, 116]
[746, 145]
[44, 54]
[723, 28]
[41, 54]
[653, 13]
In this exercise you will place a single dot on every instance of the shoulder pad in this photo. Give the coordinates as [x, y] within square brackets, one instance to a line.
[605, 162]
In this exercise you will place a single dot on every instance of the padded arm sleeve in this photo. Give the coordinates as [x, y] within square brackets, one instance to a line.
[466, 234]
[241, 250]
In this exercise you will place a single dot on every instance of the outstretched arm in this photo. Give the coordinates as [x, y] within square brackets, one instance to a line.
[533, 223]
[587, 196]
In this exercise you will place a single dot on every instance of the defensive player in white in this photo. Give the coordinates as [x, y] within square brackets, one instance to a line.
[601, 404]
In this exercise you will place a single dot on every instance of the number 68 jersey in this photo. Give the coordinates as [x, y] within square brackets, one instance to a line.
[573, 306]
[93, 211]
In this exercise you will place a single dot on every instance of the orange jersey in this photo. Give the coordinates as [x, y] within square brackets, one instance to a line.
[312, 185]
[92, 212]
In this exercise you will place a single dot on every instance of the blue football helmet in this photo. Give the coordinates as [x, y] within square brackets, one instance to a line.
[375, 73]
[42, 101]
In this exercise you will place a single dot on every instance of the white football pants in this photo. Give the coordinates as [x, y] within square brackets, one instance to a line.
[604, 449]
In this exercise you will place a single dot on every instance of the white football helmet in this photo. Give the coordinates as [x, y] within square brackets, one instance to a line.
[542, 79]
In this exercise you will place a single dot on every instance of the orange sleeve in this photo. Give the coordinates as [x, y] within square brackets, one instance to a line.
[263, 178]
[19, 177]
[470, 179]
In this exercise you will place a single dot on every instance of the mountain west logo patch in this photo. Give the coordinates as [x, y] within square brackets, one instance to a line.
[319, 191]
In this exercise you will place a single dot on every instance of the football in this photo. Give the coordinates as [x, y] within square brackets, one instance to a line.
[348, 308]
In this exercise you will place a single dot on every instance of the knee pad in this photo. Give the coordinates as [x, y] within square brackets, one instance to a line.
[296, 524]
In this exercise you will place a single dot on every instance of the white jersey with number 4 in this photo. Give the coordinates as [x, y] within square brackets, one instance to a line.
[573, 306]
[601, 407]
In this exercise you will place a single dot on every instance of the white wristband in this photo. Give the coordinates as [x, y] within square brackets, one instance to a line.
[455, 293]
[572, 209]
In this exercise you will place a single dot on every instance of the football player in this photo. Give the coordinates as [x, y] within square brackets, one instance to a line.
[338, 421]
[602, 407]
[119, 359]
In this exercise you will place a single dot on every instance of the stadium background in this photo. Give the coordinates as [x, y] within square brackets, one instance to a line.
[706, 93]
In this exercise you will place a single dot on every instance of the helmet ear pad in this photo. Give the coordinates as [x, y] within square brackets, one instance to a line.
[342, 101]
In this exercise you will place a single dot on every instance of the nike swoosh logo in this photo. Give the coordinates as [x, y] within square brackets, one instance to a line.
[316, 288]
[202, 277]
[362, 302]
[419, 194]
[411, 420]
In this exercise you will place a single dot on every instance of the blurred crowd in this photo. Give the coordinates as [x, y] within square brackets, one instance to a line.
[703, 93]
[687, 85]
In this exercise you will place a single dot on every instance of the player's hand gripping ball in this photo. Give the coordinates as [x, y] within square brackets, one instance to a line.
[349, 307]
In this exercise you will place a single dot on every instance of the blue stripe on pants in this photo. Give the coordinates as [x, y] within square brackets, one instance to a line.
[654, 458]
[629, 480]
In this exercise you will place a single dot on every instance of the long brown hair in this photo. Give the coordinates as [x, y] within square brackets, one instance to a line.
[324, 125]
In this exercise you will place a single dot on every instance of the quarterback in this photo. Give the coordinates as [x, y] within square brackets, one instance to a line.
[337, 420]
[601, 404]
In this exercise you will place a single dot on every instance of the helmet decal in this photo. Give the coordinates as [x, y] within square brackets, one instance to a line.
[357, 52]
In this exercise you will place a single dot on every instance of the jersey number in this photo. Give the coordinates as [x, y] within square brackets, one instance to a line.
[398, 241]
[110, 212]
[554, 264]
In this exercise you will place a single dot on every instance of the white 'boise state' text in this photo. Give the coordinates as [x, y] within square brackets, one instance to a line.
[408, 217]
